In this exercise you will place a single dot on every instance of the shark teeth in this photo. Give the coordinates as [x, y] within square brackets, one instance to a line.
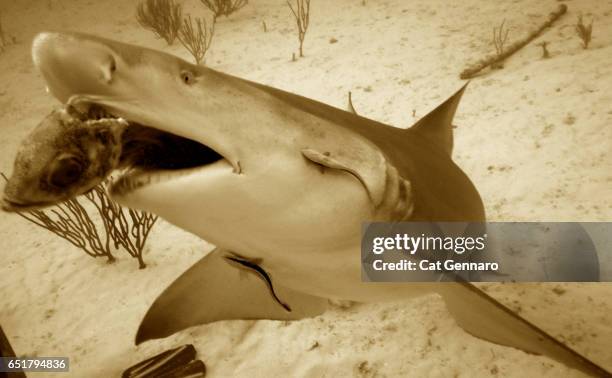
[135, 179]
[86, 111]
[120, 121]
[127, 184]
[97, 112]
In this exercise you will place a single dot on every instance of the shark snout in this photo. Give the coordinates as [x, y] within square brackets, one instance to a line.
[73, 65]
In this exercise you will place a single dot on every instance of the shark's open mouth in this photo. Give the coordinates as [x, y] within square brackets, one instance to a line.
[150, 155]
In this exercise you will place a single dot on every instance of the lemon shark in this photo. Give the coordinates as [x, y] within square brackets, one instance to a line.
[282, 187]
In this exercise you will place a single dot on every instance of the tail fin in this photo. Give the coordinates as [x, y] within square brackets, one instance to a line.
[484, 317]
[437, 125]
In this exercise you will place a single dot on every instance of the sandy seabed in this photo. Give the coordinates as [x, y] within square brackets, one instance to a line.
[535, 137]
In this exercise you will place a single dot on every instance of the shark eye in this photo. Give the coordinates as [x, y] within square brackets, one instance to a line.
[65, 171]
[187, 77]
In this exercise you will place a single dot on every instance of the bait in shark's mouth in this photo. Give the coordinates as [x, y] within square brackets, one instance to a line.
[64, 156]
[71, 151]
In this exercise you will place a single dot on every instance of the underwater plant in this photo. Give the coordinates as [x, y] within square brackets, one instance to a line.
[499, 39]
[545, 53]
[72, 221]
[301, 12]
[3, 38]
[223, 7]
[197, 42]
[162, 17]
[503, 52]
[584, 31]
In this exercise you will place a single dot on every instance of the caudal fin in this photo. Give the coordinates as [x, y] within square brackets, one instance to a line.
[437, 125]
[486, 318]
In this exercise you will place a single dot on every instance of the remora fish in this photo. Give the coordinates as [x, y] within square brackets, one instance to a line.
[283, 189]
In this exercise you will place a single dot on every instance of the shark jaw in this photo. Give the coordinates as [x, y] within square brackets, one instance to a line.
[150, 155]
[91, 76]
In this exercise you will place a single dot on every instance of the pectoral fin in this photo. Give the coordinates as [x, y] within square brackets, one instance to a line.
[372, 175]
[484, 317]
[214, 289]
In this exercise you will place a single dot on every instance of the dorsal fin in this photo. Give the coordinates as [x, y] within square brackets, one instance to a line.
[350, 106]
[437, 125]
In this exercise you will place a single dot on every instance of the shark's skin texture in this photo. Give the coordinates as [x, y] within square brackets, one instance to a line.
[296, 180]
